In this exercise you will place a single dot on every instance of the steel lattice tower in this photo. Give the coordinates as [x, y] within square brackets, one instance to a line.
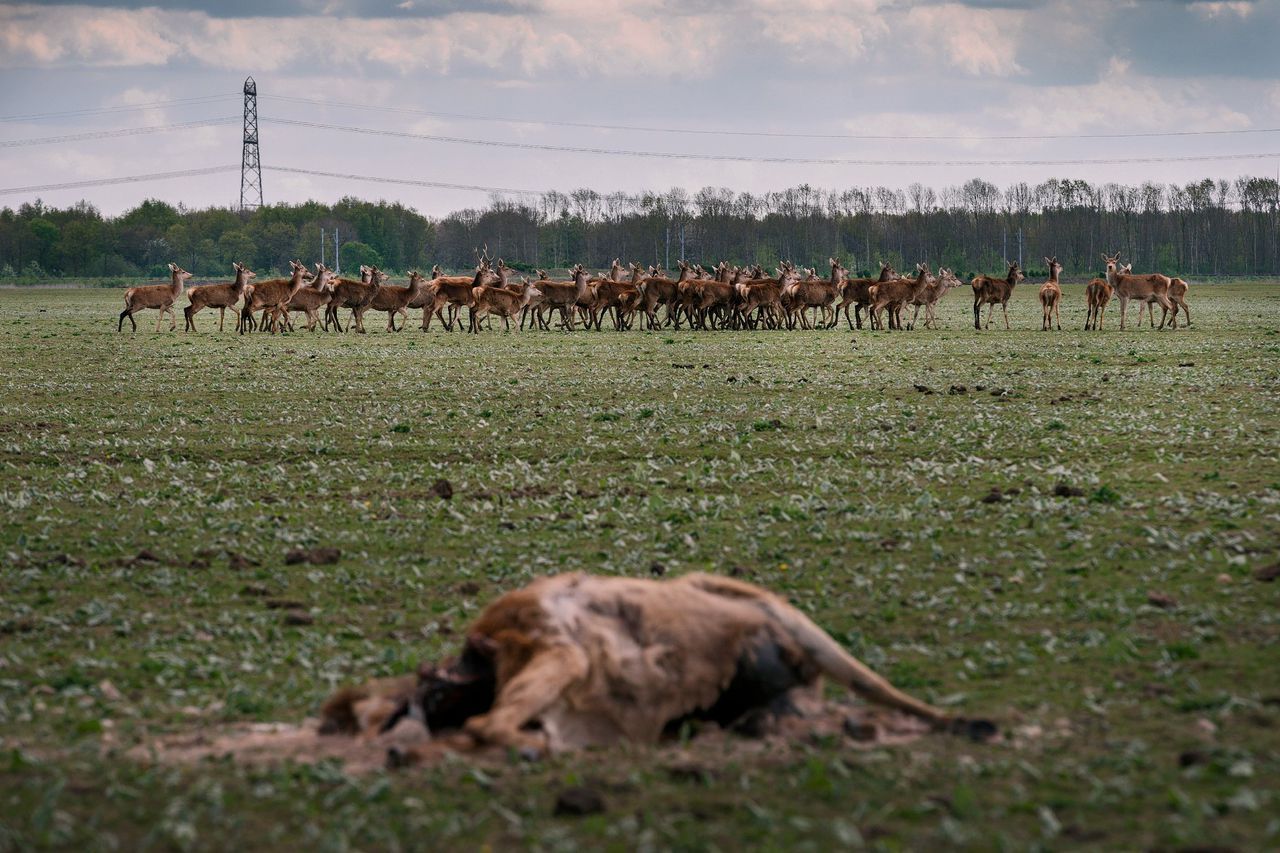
[250, 165]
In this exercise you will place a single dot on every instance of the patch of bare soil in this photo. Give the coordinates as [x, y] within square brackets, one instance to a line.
[267, 744]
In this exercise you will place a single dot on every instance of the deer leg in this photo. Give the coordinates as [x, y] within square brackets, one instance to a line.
[536, 687]
[126, 313]
[1057, 315]
[977, 315]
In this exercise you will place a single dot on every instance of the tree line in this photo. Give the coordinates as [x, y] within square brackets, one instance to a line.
[1203, 228]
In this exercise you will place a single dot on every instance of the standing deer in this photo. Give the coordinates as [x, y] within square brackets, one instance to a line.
[817, 294]
[1152, 287]
[891, 295]
[273, 296]
[1178, 296]
[1096, 296]
[660, 289]
[1051, 296]
[855, 292]
[352, 294]
[933, 292]
[397, 300]
[311, 299]
[993, 291]
[565, 295]
[491, 299]
[220, 296]
[158, 296]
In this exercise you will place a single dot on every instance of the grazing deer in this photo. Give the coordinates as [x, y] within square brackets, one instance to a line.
[855, 292]
[158, 296]
[220, 296]
[492, 299]
[934, 290]
[273, 296]
[352, 294]
[1096, 296]
[1152, 287]
[993, 291]
[397, 300]
[311, 299]
[1051, 296]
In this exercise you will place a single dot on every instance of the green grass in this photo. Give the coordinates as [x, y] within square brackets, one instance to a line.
[807, 460]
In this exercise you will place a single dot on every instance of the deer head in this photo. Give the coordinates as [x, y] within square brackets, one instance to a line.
[1054, 267]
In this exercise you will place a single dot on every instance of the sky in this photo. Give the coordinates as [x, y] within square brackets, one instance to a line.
[757, 80]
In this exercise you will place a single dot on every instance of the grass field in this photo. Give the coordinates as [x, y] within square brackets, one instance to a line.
[1124, 630]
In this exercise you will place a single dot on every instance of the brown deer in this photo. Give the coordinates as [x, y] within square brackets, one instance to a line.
[492, 299]
[220, 296]
[994, 291]
[855, 292]
[934, 290]
[890, 296]
[565, 296]
[1096, 296]
[760, 299]
[273, 296]
[352, 294]
[816, 293]
[1051, 297]
[660, 289]
[397, 300]
[1152, 287]
[311, 299]
[613, 295]
[158, 296]
[712, 299]
[1178, 296]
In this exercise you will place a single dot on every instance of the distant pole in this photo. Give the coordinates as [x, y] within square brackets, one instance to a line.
[250, 164]
[337, 258]
[321, 245]
[1019, 247]
[666, 265]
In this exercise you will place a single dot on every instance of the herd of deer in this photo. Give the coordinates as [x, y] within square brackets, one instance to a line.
[725, 297]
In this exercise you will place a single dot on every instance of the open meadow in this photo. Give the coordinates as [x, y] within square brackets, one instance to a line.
[1074, 534]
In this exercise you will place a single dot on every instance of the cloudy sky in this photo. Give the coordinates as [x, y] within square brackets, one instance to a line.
[801, 80]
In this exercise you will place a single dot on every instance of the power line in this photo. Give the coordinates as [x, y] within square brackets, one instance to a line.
[744, 158]
[402, 181]
[93, 111]
[113, 134]
[896, 137]
[213, 170]
[127, 179]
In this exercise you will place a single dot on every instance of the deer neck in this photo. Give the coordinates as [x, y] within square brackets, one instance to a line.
[580, 279]
[295, 283]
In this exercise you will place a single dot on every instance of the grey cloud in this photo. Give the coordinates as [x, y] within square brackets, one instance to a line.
[300, 8]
